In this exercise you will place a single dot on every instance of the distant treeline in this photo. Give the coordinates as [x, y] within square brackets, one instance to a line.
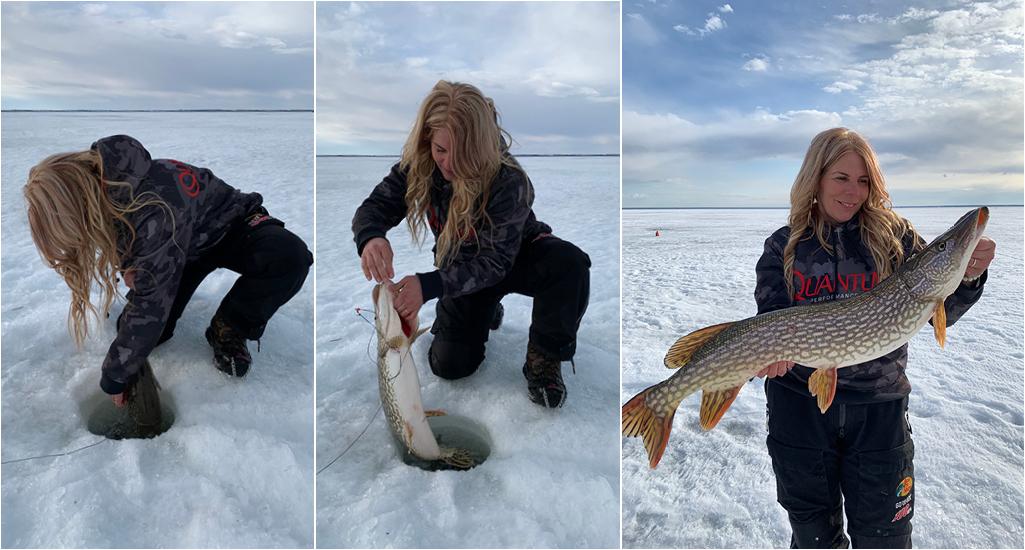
[788, 208]
[157, 110]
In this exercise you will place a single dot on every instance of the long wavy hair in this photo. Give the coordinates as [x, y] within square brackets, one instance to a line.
[477, 154]
[76, 225]
[881, 228]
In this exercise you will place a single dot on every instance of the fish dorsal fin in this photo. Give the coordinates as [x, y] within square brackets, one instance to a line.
[939, 323]
[681, 352]
[714, 405]
[822, 385]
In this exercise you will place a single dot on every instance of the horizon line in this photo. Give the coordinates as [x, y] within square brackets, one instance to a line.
[517, 155]
[156, 110]
[788, 208]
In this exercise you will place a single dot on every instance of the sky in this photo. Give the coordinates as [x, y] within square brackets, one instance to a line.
[157, 55]
[721, 100]
[552, 68]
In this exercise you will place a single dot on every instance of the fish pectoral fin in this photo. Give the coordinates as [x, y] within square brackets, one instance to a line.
[939, 323]
[822, 385]
[457, 458]
[417, 335]
[435, 412]
[714, 405]
[685, 347]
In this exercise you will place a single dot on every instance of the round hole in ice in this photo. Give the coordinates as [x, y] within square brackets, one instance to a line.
[451, 431]
[103, 418]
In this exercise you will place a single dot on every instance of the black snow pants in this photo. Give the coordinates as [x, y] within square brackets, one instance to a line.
[552, 271]
[272, 263]
[855, 458]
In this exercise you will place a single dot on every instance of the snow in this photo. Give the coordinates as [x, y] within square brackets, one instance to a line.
[236, 469]
[716, 489]
[552, 479]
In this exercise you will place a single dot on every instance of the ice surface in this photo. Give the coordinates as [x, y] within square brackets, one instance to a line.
[236, 469]
[552, 479]
[717, 490]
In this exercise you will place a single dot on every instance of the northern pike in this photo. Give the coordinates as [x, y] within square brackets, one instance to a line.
[720, 359]
[142, 416]
[400, 385]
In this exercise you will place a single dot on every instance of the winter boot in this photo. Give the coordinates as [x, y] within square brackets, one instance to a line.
[499, 313]
[231, 355]
[544, 378]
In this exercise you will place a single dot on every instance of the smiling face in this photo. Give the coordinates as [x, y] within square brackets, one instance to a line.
[843, 188]
[441, 147]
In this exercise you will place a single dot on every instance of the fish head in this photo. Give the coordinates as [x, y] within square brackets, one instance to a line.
[935, 272]
[389, 323]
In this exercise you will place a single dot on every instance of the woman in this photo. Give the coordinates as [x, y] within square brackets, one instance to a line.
[457, 177]
[841, 240]
[165, 225]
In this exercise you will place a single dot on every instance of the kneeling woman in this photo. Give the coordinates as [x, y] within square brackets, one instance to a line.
[165, 225]
[457, 177]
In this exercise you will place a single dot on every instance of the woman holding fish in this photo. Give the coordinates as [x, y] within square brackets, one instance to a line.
[165, 225]
[842, 239]
[457, 178]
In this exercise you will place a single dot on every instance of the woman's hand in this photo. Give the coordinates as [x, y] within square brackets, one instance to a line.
[376, 259]
[120, 400]
[779, 368]
[981, 257]
[409, 297]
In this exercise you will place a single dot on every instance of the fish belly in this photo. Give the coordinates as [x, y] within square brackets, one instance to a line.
[400, 394]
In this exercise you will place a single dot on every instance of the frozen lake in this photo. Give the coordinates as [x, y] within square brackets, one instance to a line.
[717, 490]
[236, 468]
[553, 476]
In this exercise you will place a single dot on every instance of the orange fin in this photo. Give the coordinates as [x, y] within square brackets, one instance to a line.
[639, 419]
[685, 347]
[714, 405]
[822, 384]
[435, 412]
[939, 323]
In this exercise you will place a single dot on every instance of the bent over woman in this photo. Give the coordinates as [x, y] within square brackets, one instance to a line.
[457, 178]
[857, 458]
[165, 225]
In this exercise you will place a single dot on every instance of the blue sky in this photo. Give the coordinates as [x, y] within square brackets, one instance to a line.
[720, 100]
[157, 55]
[551, 67]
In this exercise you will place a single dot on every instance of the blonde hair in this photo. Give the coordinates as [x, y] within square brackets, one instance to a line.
[76, 226]
[881, 228]
[477, 154]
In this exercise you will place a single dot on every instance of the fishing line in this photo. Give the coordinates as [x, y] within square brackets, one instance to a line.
[56, 455]
[379, 407]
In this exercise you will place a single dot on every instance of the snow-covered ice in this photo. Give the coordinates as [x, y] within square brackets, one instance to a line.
[717, 490]
[236, 469]
[553, 476]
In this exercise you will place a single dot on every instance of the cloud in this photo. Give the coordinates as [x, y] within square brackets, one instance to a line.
[712, 24]
[755, 65]
[726, 8]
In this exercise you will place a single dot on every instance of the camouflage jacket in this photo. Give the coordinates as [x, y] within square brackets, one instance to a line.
[484, 257]
[200, 208]
[823, 277]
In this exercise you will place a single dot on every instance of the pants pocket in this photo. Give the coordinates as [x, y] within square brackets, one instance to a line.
[886, 493]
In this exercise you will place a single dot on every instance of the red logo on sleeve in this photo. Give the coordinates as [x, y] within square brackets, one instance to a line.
[186, 178]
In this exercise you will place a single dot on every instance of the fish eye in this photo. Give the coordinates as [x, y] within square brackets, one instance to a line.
[943, 246]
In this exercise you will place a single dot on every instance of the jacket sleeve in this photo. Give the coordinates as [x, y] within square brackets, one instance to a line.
[966, 294]
[158, 257]
[484, 261]
[771, 287]
[382, 210]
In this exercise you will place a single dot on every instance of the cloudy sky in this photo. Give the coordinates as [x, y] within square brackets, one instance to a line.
[720, 100]
[551, 67]
[157, 55]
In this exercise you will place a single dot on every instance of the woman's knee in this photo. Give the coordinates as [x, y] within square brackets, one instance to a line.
[454, 360]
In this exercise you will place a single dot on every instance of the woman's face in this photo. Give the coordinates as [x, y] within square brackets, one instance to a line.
[441, 145]
[843, 188]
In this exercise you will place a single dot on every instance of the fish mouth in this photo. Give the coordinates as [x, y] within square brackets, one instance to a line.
[385, 303]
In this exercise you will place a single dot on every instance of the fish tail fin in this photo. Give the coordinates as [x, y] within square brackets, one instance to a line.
[640, 419]
[457, 458]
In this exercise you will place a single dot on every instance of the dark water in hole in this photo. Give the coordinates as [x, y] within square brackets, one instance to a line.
[109, 421]
[452, 431]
